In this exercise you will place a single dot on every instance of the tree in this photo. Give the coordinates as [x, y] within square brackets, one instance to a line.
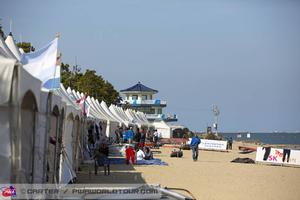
[89, 82]
[181, 133]
[26, 46]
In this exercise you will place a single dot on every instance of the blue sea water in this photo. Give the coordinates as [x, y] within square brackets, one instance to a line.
[267, 138]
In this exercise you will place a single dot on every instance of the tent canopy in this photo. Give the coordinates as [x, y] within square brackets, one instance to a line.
[12, 46]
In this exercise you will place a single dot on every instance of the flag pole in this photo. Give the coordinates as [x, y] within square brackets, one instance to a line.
[57, 35]
[10, 25]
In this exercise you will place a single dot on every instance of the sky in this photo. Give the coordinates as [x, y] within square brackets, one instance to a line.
[243, 56]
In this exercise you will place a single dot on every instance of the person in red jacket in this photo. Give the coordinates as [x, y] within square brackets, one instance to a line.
[130, 154]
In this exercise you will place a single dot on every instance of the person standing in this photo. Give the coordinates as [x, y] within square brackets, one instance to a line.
[117, 139]
[101, 157]
[120, 135]
[143, 139]
[151, 136]
[137, 136]
[130, 135]
[194, 146]
[125, 135]
[130, 154]
[230, 143]
[155, 138]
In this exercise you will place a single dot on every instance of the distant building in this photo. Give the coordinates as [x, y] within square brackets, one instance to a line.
[141, 98]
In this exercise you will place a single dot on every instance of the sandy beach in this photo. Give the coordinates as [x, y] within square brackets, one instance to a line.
[213, 176]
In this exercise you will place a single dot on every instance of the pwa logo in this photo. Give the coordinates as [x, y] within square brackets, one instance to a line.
[9, 191]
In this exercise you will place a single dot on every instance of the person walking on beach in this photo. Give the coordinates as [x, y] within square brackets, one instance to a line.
[194, 146]
[230, 143]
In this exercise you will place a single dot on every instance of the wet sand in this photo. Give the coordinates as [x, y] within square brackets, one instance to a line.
[213, 176]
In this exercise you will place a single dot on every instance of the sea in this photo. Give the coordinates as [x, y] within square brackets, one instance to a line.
[266, 138]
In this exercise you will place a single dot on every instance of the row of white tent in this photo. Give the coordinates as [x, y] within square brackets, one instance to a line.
[43, 132]
[111, 114]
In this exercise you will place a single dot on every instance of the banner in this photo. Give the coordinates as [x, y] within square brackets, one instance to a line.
[80, 191]
[218, 145]
[277, 156]
[42, 63]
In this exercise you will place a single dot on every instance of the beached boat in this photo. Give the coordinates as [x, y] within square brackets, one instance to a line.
[245, 150]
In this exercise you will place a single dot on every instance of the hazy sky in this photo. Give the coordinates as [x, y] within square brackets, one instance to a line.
[243, 56]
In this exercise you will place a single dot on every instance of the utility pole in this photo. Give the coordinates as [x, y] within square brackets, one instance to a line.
[216, 113]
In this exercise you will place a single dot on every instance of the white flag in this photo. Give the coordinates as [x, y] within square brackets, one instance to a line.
[42, 63]
[54, 82]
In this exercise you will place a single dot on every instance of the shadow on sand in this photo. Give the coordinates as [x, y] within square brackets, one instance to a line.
[119, 174]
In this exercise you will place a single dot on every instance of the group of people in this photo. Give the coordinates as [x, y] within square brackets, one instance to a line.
[98, 145]
[135, 149]
[133, 155]
[128, 135]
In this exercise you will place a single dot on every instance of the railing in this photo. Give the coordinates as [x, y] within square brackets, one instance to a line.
[168, 116]
[145, 102]
[154, 116]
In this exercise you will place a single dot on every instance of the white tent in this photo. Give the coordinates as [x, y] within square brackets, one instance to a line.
[163, 129]
[57, 113]
[113, 124]
[112, 109]
[122, 113]
[19, 104]
[131, 115]
[143, 117]
[12, 46]
[29, 116]
[5, 50]
[3, 54]
[69, 137]
[117, 112]
[139, 117]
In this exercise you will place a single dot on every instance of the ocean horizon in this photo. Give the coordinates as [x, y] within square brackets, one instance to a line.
[285, 138]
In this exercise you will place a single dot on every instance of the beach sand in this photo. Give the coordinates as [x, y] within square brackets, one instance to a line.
[213, 176]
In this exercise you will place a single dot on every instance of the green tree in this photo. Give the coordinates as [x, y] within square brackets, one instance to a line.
[181, 133]
[26, 46]
[89, 82]
[70, 78]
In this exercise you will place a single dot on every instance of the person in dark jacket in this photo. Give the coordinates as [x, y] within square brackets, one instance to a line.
[194, 146]
[143, 139]
[148, 153]
[101, 158]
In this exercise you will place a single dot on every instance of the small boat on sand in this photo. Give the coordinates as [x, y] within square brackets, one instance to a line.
[245, 150]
